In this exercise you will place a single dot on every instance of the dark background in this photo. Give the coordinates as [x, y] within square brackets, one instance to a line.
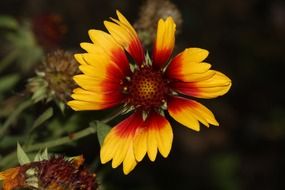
[246, 42]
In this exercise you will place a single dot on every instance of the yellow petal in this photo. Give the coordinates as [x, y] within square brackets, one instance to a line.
[91, 48]
[129, 162]
[187, 66]
[140, 144]
[121, 35]
[121, 152]
[109, 148]
[151, 145]
[164, 43]
[103, 40]
[185, 118]
[83, 105]
[125, 35]
[189, 112]
[118, 144]
[211, 86]
[164, 137]
[79, 58]
[194, 55]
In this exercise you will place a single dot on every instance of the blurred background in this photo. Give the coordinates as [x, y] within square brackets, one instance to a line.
[246, 41]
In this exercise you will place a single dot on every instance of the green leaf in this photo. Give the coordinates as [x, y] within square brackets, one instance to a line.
[42, 118]
[8, 22]
[41, 155]
[10, 141]
[45, 154]
[8, 82]
[37, 157]
[22, 156]
[102, 130]
[61, 106]
[8, 59]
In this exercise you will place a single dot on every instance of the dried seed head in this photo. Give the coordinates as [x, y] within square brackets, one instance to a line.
[59, 173]
[149, 15]
[54, 77]
[56, 173]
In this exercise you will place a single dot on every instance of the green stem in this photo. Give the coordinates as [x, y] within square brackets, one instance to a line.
[64, 140]
[113, 115]
[8, 159]
[49, 144]
[4, 128]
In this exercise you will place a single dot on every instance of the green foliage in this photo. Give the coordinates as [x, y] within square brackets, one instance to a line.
[22, 156]
[102, 130]
[8, 82]
[8, 22]
[24, 49]
[41, 155]
[225, 171]
[42, 118]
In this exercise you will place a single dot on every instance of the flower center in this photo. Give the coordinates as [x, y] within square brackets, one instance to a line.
[147, 89]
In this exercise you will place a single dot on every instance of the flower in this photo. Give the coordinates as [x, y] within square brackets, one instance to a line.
[54, 77]
[149, 86]
[56, 173]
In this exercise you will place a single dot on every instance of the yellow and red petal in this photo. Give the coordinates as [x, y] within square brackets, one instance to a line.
[118, 144]
[164, 43]
[155, 135]
[217, 85]
[96, 84]
[125, 35]
[105, 43]
[102, 71]
[188, 66]
[133, 138]
[9, 173]
[12, 178]
[140, 143]
[189, 113]
[87, 100]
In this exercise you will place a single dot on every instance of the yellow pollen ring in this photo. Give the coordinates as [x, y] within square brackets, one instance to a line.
[147, 88]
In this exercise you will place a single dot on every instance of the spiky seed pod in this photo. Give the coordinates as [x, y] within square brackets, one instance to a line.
[59, 173]
[150, 12]
[54, 77]
[59, 68]
[56, 173]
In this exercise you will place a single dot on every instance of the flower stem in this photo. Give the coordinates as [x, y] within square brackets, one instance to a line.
[10, 160]
[49, 144]
[64, 140]
[4, 128]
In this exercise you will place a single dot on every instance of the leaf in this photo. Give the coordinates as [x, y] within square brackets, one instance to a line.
[8, 82]
[45, 154]
[102, 130]
[22, 156]
[10, 141]
[41, 155]
[61, 106]
[42, 118]
[37, 157]
[8, 22]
